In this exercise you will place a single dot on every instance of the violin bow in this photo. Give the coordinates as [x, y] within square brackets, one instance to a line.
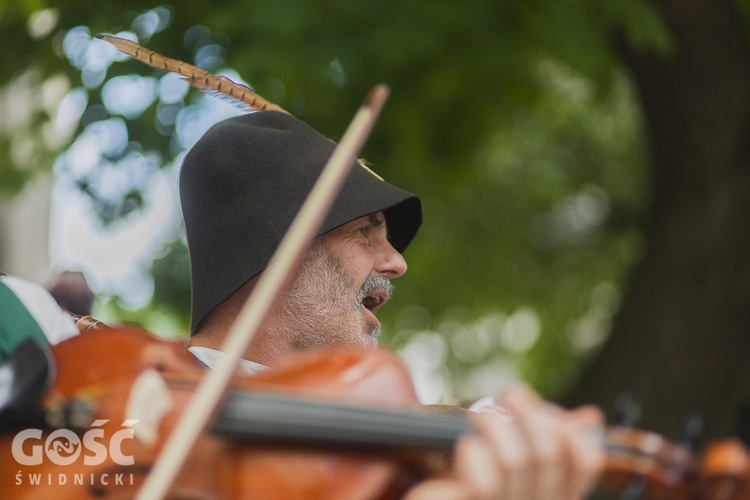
[209, 392]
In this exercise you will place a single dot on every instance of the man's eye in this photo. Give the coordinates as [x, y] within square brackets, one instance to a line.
[362, 230]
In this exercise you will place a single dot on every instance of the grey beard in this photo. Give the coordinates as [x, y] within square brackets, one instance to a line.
[319, 308]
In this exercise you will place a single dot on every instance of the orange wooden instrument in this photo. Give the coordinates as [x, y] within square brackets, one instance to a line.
[124, 380]
[343, 423]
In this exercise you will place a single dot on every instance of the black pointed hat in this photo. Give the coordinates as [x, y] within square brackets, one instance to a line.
[241, 186]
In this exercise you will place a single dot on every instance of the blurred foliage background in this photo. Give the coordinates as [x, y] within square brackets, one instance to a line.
[519, 123]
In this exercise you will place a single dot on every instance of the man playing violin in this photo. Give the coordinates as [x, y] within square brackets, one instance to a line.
[241, 185]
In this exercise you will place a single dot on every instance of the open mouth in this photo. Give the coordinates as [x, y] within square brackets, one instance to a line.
[375, 291]
[374, 299]
[371, 302]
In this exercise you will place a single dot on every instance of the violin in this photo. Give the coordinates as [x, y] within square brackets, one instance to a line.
[342, 423]
[124, 387]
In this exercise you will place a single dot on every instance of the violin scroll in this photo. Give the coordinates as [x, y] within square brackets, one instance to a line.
[725, 471]
[647, 465]
[86, 324]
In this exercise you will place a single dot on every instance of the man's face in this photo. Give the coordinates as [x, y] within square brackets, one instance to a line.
[344, 278]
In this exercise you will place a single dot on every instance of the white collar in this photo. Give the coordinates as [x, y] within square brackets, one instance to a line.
[211, 358]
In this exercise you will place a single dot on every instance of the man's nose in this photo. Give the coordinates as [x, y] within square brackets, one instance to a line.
[390, 262]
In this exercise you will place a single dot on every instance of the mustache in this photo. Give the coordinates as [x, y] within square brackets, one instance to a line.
[374, 282]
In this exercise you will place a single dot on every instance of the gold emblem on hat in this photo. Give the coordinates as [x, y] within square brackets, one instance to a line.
[363, 163]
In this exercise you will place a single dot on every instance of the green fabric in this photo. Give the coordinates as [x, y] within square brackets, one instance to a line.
[16, 323]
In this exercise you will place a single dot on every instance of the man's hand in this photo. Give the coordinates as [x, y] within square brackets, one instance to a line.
[546, 453]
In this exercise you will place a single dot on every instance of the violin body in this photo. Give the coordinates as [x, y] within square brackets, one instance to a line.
[119, 393]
